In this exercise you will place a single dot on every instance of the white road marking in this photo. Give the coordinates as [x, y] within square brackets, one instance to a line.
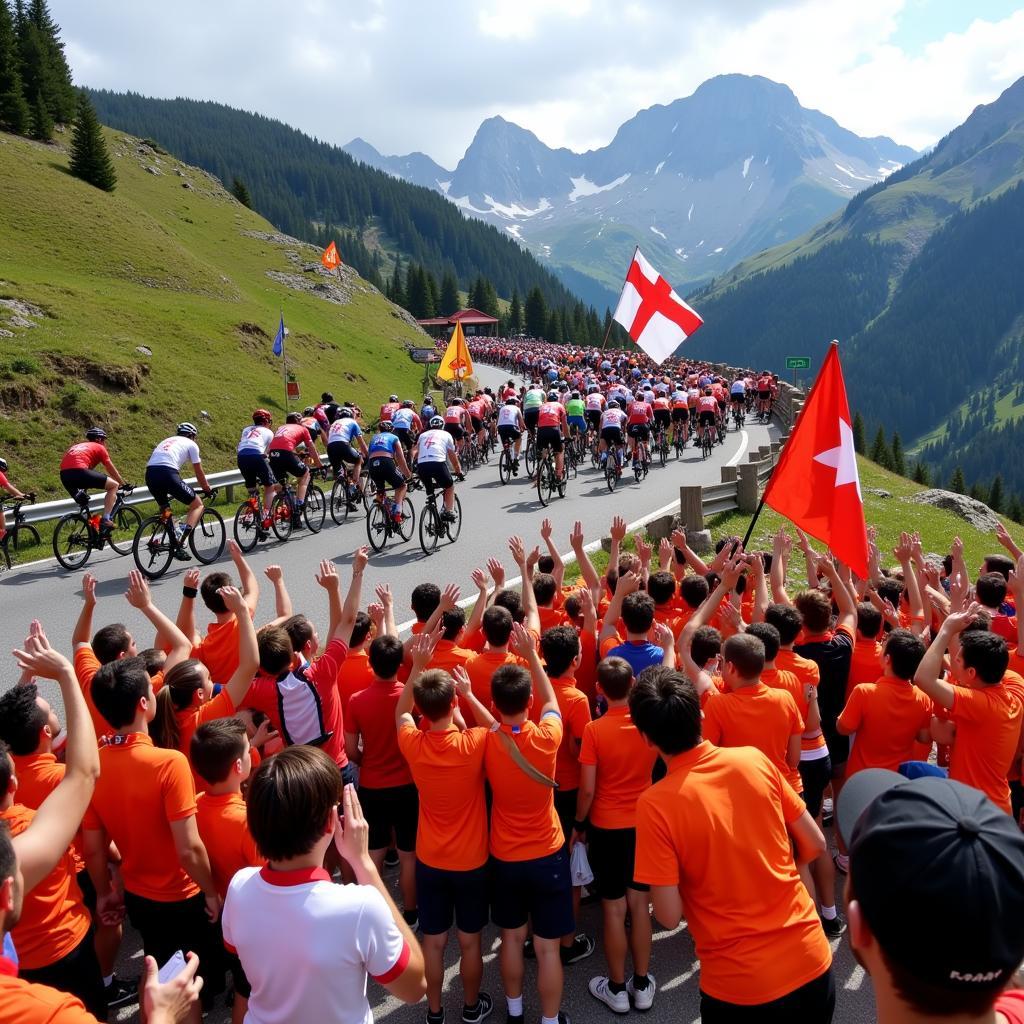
[744, 439]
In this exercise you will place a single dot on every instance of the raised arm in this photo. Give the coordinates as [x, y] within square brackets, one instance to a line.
[810, 558]
[178, 645]
[186, 619]
[464, 688]
[82, 635]
[531, 618]
[558, 570]
[927, 677]
[282, 599]
[628, 583]
[693, 560]
[904, 552]
[250, 584]
[759, 581]
[387, 602]
[351, 607]
[476, 615]
[782, 543]
[617, 533]
[420, 649]
[587, 570]
[248, 651]
[840, 594]
[449, 600]
[521, 644]
[1006, 540]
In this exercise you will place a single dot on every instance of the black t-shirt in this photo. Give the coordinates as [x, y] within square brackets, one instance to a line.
[832, 656]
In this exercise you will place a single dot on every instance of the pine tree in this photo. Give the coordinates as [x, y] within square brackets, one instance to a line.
[14, 112]
[553, 331]
[448, 302]
[90, 160]
[42, 123]
[432, 293]
[536, 314]
[241, 193]
[899, 462]
[58, 92]
[880, 450]
[858, 433]
[396, 292]
[957, 484]
[977, 492]
[921, 474]
[996, 497]
[1015, 510]
[416, 294]
[515, 314]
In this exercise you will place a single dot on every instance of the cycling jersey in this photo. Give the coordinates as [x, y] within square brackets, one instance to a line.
[326, 413]
[454, 413]
[508, 416]
[383, 445]
[612, 418]
[680, 400]
[595, 402]
[574, 407]
[552, 414]
[477, 409]
[86, 455]
[639, 412]
[388, 410]
[738, 388]
[693, 397]
[719, 392]
[289, 437]
[345, 430]
[661, 402]
[255, 439]
[707, 403]
[312, 425]
[174, 452]
[434, 446]
[764, 384]
[405, 419]
[533, 399]
[427, 413]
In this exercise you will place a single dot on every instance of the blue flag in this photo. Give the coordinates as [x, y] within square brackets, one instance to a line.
[279, 339]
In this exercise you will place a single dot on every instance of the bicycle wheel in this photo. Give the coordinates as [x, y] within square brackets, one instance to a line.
[377, 531]
[544, 488]
[126, 523]
[531, 457]
[72, 541]
[407, 526]
[315, 509]
[281, 516]
[611, 476]
[430, 528]
[454, 528]
[151, 548]
[247, 526]
[206, 539]
[339, 501]
[505, 465]
[24, 539]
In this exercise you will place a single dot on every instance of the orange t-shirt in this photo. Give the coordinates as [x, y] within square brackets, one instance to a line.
[225, 833]
[38, 776]
[448, 769]
[218, 650]
[551, 617]
[354, 675]
[865, 664]
[886, 716]
[53, 919]
[24, 1001]
[808, 673]
[192, 717]
[524, 824]
[140, 791]
[586, 674]
[86, 666]
[756, 716]
[449, 656]
[988, 722]
[575, 711]
[372, 716]
[624, 763]
[715, 826]
[480, 668]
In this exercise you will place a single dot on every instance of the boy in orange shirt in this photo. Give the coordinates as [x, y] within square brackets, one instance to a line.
[451, 835]
[221, 757]
[497, 628]
[615, 768]
[355, 673]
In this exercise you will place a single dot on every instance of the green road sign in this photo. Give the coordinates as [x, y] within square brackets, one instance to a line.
[798, 362]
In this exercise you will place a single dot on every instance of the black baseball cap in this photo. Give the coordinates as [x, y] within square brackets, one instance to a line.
[938, 872]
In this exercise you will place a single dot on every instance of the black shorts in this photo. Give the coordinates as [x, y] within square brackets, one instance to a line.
[405, 438]
[540, 889]
[339, 452]
[593, 418]
[565, 808]
[680, 415]
[283, 463]
[165, 483]
[75, 480]
[478, 424]
[707, 418]
[229, 961]
[456, 430]
[434, 474]
[531, 416]
[638, 430]
[393, 807]
[549, 437]
[734, 398]
[510, 434]
[612, 852]
[764, 395]
[611, 435]
[838, 745]
[815, 775]
[813, 1003]
[442, 896]
[662, 417]
[77, 973]
[384, 472]
[255, 469]
[88, 891]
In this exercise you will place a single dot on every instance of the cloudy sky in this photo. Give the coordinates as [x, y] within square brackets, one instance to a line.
[409, 74]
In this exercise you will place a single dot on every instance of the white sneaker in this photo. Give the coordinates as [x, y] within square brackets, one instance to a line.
[642, 1000]
[617, 1001]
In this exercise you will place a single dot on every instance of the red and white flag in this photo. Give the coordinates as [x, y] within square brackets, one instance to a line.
[816, 485]
[657, 319]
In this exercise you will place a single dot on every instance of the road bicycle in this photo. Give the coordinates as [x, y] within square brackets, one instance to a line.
[285, 513]
[706, 442]
[507, 461]
[158, 539]
[530, 455]
[339, 505]
[679, 439]
[435, 526]
[739, 416]
[661, 446]
[80, 533]
[613, 467]
[21, 536]
[594, 442]
[252, 520]
[548, 483]
[382, 522]
[641, 460]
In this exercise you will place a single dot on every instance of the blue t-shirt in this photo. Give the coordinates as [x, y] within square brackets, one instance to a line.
[427, 412]
[383, 445]
[403, 419]
[639, 656]
[344, 430]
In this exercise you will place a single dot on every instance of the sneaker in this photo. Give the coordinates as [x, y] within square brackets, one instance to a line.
[121, 993]
[474, 1014]
[642, 997]
[435, 1018]
[412, 919]
[841, 862]
[600, 988]
[833, 927]
[827, 808]
[582, 947]
[182, 555]
[391, 859]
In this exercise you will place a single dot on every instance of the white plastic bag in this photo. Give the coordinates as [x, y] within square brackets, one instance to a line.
[579, 866]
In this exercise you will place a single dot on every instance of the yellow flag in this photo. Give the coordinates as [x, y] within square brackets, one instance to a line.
[456, 364]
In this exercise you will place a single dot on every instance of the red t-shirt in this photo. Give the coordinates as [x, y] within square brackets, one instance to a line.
[639, 412]
[371, 714]
[289, 437]
[87, 455]
[552, 414]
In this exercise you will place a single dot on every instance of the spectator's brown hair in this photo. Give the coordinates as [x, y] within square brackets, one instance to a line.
[434, 692]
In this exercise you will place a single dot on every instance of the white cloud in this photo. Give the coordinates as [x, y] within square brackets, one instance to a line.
[407, 75]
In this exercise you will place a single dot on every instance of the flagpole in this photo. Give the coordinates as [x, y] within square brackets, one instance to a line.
[607, 333]
[284, 361]
[753, 522]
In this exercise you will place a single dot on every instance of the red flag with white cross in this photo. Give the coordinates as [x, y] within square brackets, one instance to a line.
[657, 319]
[816, 485]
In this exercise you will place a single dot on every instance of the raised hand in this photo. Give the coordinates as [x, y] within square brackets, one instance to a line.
[376, 613]
[904, 549]
[515, 546]
[463, 685]
[628, 583]
[233, 600]
[352, 836]
[643, 550]
[957, 622]
[545, 530]
[39, 658]
[89, 588]
[618, 529]
[360, 558]
[576, 536]
[327, 576]
[521, 641]
[497, 571]
[137, 594]
[421, 648]
[450, 594]
[663, 636]
[383, 592]
[274, 573]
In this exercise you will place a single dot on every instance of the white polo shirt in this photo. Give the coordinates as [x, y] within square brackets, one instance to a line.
[307, 945]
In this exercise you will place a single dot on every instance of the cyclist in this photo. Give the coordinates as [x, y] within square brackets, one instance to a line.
[284, 458]
[511, 426]
[662, 409]
[532, 401]
[326, 412]
[427, 410]
[345, 435]
[7, 486]
[406, 425]
[251, 456]
[738, 394]
[389, 408]
[552, 426]
[477, 409]
[613, 419]
[764, 392]
[593, 407]
[509, 390]
[388, 467]
[163, 478]
[78, 471]
[435, 449]
[575, 411]
[456, 422]
[707, 413]
[680, 401]
[639, 416]
[312, 424]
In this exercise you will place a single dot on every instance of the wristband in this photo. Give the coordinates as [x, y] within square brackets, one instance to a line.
[579, 826]
[189, 592]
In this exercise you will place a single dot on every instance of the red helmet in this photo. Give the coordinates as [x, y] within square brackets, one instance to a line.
[261, 417]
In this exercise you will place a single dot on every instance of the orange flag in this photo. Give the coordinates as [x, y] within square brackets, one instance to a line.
[330, 258]
[457, 363]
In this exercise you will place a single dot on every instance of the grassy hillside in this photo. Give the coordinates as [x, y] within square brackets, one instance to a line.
[172, 264]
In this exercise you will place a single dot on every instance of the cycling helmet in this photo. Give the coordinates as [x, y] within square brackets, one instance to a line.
[3, 465]
[456, 401]
[293, 417]
[407, 404]
[393, 398]
[575, 394]
[188, 430]
[385, 425]
[639, 396]
[309, 411]
[436, 423]
[326, 397]
[428, 399]
[613, 404]
[345, 413]
[261, 417]
[552, 396]
[95, 434]
[511, 400]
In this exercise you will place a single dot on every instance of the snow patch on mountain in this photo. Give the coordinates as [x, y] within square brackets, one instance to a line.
[514, 211]
[746, 164]
[660, 234]
[583, 186]
[657, 170]
[444, 186]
